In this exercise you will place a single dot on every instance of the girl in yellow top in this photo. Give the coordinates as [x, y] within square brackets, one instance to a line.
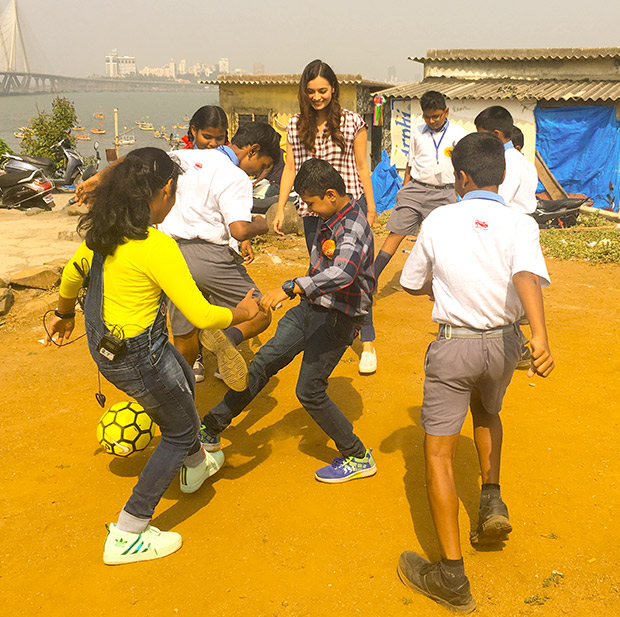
[132, 269]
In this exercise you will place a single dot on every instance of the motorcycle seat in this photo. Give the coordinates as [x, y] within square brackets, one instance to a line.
[39, 161]
[12, 178]
[548, 205]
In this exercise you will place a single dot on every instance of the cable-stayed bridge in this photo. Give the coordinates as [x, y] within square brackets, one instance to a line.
[17, 78]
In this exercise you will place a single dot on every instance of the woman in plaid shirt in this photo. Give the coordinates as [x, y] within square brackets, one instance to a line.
[323, 129]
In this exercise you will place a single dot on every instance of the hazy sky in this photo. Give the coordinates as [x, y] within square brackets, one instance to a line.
[70, 37]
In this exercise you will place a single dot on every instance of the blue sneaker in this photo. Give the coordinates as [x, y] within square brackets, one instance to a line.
[345, 468]
[211, 443]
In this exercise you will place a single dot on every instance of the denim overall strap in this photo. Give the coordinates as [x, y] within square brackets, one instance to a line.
[154, 337]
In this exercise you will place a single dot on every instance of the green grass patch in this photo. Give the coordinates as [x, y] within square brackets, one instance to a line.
[595, 245]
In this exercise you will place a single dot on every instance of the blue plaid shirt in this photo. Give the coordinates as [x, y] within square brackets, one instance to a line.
[344, 280]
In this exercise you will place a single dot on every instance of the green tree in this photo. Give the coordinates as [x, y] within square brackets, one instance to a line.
[48, 129]
[4, 148]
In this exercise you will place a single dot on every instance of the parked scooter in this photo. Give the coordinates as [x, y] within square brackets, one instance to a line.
[26, 189]
[72, 173]
[558, 213]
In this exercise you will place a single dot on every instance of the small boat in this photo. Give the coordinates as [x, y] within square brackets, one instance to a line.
[99, 115]
[98, 131]
[126, 140]
[19, 135]
[182, 127]
[186, 118]
[146, 126]
[23, 129]
[157, 134]
[83, 137]
[77, 128]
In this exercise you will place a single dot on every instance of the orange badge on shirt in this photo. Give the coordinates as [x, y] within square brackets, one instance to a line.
[329, 248]
[448, 151]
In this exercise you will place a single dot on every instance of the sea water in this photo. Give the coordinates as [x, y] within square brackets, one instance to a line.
[166, 111]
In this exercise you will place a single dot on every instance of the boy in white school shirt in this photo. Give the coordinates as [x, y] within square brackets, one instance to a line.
[483, 265]
[213, 205]
[519, 187]
[429, 178]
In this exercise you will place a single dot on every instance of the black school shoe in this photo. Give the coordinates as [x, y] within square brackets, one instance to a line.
[429, 579]
[493, 524]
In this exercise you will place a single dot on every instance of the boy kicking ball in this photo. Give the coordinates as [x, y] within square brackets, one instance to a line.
[483, 265]
[335, 295]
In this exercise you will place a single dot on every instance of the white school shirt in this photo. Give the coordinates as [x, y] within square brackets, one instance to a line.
[519, 186]
[212, 193]
[473, 249]
[430, 152]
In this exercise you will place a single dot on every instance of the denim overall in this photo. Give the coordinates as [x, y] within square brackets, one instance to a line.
[153, 372]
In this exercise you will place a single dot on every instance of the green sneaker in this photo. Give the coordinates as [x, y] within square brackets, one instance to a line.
[125, 547]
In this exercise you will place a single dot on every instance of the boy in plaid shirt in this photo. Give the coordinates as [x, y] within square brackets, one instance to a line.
[335, 295]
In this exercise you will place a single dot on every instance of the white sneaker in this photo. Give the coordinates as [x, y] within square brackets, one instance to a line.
[199, 371]
[368, 362]
[230, 362]
[125, 547]
[192, 478]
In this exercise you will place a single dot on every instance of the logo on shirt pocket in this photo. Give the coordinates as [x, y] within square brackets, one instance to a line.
[198, 165]
[328, 248]
[448, 152]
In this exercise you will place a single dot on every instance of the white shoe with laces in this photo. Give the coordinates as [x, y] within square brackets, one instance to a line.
[126, 547]
[368, 363]
[192, 478]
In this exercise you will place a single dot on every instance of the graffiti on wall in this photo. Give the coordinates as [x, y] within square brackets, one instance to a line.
[401, 131]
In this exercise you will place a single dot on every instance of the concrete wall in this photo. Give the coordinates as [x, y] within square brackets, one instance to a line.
[278, 102]
[602, 68]
[462, 112]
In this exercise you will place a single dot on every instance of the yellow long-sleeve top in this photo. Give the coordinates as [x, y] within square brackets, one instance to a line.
[133, 279]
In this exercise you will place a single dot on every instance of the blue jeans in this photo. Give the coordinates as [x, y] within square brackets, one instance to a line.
[323, 336]
[154, 373]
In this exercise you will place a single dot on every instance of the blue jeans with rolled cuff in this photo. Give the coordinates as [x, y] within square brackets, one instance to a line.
[155, 374]
[323, 336]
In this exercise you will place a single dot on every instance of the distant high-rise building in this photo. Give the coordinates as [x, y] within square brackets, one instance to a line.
[223, 66]
[181, 67]
[173, 69]
[119, 66]
[259, 68]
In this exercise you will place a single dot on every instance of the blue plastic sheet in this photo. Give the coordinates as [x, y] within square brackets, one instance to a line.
[581, 147]
[385, 184]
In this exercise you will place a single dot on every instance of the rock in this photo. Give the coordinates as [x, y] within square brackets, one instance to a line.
[292, 223]
[71, 236]
[3, 283]
[39, 278]
[56, 264]
[77, 210]
[7, 298]
[37, 307]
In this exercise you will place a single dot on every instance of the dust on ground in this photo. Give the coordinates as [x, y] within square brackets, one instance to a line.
[263, 538]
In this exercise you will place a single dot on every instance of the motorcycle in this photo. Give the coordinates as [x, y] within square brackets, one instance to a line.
[26, 189]
[558, 213]
[72, 173]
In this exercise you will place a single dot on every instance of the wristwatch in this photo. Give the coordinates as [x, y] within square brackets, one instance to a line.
[288, 287]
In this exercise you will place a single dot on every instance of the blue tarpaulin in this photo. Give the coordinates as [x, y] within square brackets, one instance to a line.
[385, 184]
[581, 147]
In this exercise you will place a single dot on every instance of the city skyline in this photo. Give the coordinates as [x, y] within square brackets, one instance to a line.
[351, 37]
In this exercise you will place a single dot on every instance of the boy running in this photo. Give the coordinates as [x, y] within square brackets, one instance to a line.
[482, 263]
[335, 295]
[429, 177]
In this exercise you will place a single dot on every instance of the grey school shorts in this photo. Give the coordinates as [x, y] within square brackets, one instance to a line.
[219, 277]
[414, 202]
[456, 367]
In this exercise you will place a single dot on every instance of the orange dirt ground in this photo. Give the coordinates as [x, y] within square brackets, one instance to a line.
[263, 538]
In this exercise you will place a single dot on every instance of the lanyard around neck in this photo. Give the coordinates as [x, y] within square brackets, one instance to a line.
[437, 144]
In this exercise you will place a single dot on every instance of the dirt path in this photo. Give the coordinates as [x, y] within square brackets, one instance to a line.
[264, 538]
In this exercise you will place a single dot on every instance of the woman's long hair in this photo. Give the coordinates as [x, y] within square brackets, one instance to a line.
[119, 208]
[307, 125]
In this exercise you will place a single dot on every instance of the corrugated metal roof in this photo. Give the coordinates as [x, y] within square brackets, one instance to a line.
[552, 53]
[289, 79]
[520, 89]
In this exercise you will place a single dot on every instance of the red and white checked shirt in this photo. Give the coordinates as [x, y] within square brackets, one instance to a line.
[343, 161]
